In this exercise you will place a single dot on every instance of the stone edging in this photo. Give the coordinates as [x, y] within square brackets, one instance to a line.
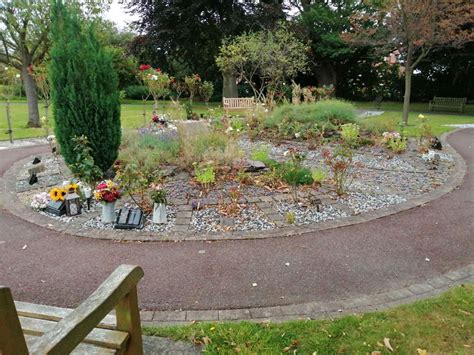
[180, 232]
[316, 310]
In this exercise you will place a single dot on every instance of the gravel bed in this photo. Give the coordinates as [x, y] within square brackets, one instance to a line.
[395, 163]
[360, 202]
[211, 220]
[309, 214]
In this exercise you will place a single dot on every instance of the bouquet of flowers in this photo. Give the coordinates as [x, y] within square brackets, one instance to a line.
[40, 201]
[158, 194]
[107, 191]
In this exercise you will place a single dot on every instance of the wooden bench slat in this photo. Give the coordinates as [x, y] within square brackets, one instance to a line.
[81, 349]
[112, 339]
[40, 311]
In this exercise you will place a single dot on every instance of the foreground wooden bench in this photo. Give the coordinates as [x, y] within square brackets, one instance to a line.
[27, 328]
[237, 103]
[448, 103]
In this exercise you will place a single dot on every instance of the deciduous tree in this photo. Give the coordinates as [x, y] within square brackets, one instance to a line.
[413, 28]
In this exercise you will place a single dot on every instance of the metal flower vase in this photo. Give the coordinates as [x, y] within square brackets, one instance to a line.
[159, 213]
[108, 212]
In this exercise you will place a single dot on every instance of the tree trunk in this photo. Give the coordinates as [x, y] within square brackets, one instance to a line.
[229, 87]
[406, 97]
[31, 98]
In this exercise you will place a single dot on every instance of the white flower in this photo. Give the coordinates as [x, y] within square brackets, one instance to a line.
[154, 77]
[6, 68]
[228, 130]
[17, 76]
[266, 110]
[286, 153]
[297, 135]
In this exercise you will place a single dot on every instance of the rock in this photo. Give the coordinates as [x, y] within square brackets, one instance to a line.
[36, 161]
[227, 222]
[252, 166]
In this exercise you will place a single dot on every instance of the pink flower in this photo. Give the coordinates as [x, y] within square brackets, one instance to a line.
[144, 67]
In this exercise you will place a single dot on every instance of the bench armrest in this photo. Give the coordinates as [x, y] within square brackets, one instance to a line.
[72, 329]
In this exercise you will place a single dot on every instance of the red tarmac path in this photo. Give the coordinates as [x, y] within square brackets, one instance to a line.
[353, 261]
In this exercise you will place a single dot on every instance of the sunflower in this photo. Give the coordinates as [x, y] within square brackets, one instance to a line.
[56, 194]
[73, 186]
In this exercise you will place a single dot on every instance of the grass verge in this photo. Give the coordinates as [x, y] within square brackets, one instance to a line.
[444, 324]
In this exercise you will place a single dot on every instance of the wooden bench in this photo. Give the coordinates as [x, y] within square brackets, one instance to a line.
[237, 103]
[27, 328]
[448, 103]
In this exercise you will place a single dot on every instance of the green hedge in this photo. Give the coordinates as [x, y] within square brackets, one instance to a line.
[326, 112]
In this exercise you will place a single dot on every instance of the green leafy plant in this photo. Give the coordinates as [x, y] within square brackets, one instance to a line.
[262, 153]
[290, 217]
[83, 166]
[350, 134]
[395, 141]
[205, 174]
[425, 131]
[319, 175]
[135, 181]
[294, 173]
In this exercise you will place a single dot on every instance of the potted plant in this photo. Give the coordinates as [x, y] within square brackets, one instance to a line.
[107, 192]
[158, 195]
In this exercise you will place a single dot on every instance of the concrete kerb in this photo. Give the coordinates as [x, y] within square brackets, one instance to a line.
[10, 201]
[318, 309]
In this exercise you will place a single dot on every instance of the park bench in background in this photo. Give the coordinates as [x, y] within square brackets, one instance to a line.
[237, 103]
[448, 103]
[27, 328]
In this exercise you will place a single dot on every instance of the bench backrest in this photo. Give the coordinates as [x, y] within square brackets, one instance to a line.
[449, 100]
[118, 291]
[238, 102]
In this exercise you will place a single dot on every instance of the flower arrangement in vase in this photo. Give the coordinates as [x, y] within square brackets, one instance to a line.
[158, 195]
[107, 192]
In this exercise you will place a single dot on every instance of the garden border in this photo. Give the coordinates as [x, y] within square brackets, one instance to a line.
[10, 201]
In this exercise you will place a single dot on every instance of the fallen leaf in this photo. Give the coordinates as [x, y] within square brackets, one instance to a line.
[287, 264]
[254, 284]
[213, 328]
[376, 352]
[427, 259]
[380, 344]
[421, 351]
[386, 342]
[24, 247]
[206, 340]
[465, 312]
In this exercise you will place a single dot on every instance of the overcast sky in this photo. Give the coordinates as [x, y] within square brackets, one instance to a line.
[118, 15]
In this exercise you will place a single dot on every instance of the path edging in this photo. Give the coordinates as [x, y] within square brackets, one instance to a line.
[316, 310]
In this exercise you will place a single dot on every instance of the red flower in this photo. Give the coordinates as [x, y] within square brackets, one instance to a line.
[155, 118]
[158, 70]
[144, 67]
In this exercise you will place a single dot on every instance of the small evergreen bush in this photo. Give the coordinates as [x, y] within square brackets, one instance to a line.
[324, 113]
[84, 88]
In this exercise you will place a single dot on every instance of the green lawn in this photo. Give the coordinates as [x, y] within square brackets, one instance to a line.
[132, 116]
[444, 324]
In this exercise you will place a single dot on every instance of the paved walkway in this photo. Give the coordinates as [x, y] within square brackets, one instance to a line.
[344, 263]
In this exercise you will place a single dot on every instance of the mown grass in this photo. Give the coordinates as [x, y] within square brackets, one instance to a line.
[438, 122]
[444, 324]
[132, 116]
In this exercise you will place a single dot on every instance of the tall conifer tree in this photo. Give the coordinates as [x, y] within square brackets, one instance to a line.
[85, 92]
